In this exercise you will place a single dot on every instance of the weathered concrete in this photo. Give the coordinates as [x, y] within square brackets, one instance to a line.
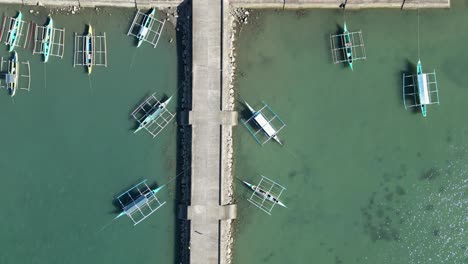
[95, 3]
[335, 3]
[207, 119]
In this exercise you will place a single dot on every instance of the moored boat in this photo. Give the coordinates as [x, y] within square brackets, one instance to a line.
[46, 41]
[88, 49]
[422, 89]
[152, 116]
[12, 75]
[265, 194]
[144, 29]
[348, 46]
[13, 32]
[261, 121]
[137, 203]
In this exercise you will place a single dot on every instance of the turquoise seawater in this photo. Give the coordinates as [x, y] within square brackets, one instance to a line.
[68, 150]
[367, 181]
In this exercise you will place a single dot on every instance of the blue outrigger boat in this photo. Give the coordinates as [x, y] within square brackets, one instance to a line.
[47, 39]
[139, 202]
[145, 25]
[13, 32]
[152, 116]
[348, 46]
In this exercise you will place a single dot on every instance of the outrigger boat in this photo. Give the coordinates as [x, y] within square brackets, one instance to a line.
[137, 203]
[88, 49]
[144, 28]
[152, 116]
[12, 75]
[265, 194]
[13, 32]
[422, 89]
[47, 39]
[261, 121]
[348, 46]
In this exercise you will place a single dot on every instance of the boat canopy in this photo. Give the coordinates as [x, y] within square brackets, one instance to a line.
[423, 89]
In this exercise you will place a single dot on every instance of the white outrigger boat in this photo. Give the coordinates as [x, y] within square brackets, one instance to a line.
[145, 26]
[264, 194]
[261, 121]
[12, 75]
[152, 116]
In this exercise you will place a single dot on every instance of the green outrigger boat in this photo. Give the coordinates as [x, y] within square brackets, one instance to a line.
[12, 75]
[348, 46]
[144, 29]
[47, 39]
[13, 32]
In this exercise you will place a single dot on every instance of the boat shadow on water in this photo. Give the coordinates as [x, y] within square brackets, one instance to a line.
[409, 69]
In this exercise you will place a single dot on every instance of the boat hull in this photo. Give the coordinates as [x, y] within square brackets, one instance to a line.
[13, 36]
[348, 46]
[89, 46]
[13, 69]
[419, 72]
[47, 39]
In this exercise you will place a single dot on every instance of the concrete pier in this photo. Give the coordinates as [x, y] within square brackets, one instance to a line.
[207, 120]
[352, 4]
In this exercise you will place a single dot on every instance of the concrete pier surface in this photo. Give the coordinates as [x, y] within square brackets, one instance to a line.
[208, 121]
[408, 4]
[95, 3]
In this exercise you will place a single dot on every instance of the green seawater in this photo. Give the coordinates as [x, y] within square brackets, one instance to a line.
[68, 149]
[367, 181]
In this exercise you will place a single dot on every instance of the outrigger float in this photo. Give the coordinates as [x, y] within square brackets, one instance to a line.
[15, 36]
[152, 115]
[49, 41]
[266, 194]
[347, 47]
[90, 50]
[146, 28]
[263, 120]
[421, 88]
[139, 202]
[12, 74]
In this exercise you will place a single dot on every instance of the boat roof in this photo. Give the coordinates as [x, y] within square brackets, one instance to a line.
[423, 89]
[264, 124]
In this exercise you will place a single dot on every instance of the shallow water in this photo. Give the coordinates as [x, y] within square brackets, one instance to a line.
[68, 150]
[367, 181]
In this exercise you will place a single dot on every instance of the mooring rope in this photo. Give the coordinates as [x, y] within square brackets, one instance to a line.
[419, 49]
